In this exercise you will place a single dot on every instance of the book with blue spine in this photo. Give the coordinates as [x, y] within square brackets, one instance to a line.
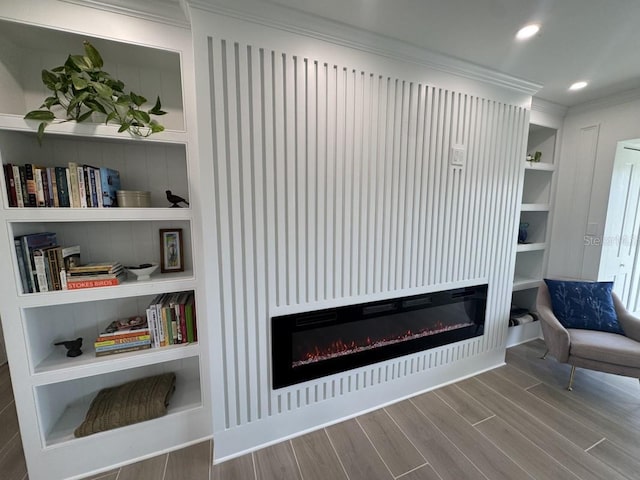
[110, 182]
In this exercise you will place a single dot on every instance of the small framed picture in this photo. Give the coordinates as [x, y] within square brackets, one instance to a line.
[171, 253]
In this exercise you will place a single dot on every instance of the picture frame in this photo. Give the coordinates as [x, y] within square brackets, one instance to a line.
[171, 250]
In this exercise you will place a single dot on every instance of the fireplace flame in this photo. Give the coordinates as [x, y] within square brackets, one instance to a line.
[339, 348]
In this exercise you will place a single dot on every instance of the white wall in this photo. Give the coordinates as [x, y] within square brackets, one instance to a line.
[332, 186]
[591, 133]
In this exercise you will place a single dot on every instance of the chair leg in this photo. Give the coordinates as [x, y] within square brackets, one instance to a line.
[573, 371]
[544, 357]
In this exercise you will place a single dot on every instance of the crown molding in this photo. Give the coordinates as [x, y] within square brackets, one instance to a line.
[608, 101]
[167, 12]
[301, 23]
[551, 108]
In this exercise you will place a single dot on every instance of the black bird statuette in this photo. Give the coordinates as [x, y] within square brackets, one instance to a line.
[175, 199]
[72, 346]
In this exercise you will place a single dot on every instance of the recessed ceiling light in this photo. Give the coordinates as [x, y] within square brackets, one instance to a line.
[578, 85]
[528, 31]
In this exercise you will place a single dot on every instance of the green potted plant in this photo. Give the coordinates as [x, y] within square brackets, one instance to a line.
[81, 88]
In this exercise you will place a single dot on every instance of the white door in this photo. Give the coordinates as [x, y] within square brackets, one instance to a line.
[619, 260]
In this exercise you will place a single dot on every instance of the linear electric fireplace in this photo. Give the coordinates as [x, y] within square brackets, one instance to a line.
[314, 344]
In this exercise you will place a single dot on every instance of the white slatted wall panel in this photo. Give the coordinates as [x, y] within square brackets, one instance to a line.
[333, 183]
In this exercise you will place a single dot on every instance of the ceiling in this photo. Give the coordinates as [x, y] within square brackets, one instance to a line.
[593, 40]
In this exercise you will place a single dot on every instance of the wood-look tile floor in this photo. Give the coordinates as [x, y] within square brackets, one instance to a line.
[514, 422]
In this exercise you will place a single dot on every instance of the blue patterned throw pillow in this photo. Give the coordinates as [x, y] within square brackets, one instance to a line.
[586, 305]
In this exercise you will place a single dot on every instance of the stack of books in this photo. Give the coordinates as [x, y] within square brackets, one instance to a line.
[124, 335]
[79, 186]
[93, 275]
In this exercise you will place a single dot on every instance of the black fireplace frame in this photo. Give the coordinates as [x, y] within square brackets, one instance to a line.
[283, 327]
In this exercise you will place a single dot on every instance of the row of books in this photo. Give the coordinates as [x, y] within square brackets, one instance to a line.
[170, 320]
[78, 186]
[45, 266]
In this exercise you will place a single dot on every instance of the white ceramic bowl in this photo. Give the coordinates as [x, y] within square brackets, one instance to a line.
[143, 273]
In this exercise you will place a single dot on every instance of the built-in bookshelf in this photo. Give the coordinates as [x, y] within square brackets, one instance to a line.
[536, 208]
[53, 392]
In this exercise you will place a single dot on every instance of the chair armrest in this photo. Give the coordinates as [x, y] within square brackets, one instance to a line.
[555, 335]
[630, 324]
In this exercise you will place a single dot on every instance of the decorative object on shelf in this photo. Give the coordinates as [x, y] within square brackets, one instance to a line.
[520, 316]
[133, 199]
[529, 157]
[171, 254]
[537, 157]
[175, 199]
[522, 232]
[72, 346]
[81, 88]
[131, 402]
[143, 271]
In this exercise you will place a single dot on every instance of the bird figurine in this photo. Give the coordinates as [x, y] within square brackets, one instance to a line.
[175, 199]
[72, 346]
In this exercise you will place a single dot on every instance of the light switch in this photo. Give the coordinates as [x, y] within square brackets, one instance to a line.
[457, 156]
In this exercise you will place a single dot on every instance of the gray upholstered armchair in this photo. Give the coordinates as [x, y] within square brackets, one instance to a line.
[602, 351]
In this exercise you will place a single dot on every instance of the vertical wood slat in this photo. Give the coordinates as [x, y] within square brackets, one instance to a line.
[333, 182]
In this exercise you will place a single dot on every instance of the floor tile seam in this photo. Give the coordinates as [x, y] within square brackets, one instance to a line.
[556, 433]
[5, 448]
[483, 420]
[451, 407]
[450, 441]
[295, 457]
[7, 405]
[413, 470]
[498, 371]
[548, 426]
[582, 371]
[549, 406]
[255, 468]
[595, 444]
[335, 450]
[166, 464]
[405, 435]
[575, 396]
[516, 431]
[374, 447]
[210, 465]
[535, 418]
[591, 425]
[486, 438]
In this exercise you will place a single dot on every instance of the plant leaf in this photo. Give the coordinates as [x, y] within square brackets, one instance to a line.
[156, 127]
[58, 69]
[111, 116]
[70, 66]
[79, 83]
[85, 115]
[49, 79]
[82, 63]
[95, 106]
[44, 115]
[50, 102]
[103, 90]
[124, 127]
[93, 55]
[41, 128]
[141, 116]
[137, 99]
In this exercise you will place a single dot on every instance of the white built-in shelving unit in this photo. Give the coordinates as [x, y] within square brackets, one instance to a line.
[536, 209]
[52, 391]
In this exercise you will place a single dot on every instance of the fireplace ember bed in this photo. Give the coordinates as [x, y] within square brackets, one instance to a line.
[314, 344]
